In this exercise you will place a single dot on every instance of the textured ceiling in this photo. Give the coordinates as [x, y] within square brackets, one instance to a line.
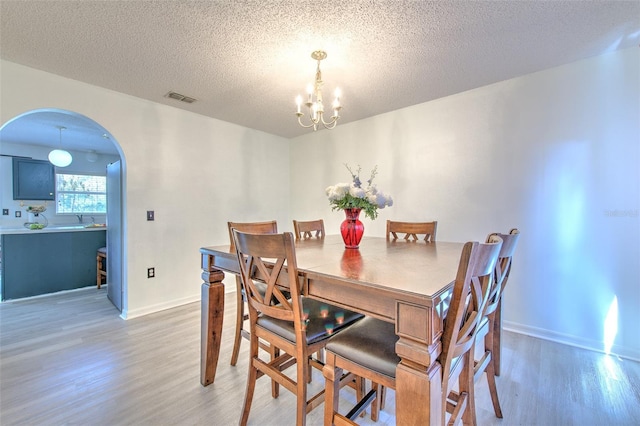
[245, 62]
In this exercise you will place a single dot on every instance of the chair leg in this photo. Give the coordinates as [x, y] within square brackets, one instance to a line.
[496, 349]
[320, 357]
[361, 390]
[491, 373]
[251, 382]
[275, 386]
[332, 388]
[466, 384]
[301, 392]
[239, 322]
[98, 277]
[378, 404]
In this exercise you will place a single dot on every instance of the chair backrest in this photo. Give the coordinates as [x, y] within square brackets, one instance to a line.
[262, 257]
[305, 229]
[470, 292]
[270, 227]
[503, 267]
[411, 230]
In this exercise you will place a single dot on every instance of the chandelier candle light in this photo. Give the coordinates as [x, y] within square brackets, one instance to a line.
[315, 106]
[353, 198]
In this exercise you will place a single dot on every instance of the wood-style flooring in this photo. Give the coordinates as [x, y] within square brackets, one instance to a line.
[69, 359]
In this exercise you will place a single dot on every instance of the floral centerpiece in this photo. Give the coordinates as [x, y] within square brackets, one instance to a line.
[353, 198]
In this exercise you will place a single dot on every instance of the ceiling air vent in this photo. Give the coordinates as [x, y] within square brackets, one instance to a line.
[179, 97]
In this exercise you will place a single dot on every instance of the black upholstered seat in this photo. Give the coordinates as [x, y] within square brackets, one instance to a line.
[370, 343]
[323, 320]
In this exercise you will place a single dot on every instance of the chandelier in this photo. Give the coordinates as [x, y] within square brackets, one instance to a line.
[314, 100]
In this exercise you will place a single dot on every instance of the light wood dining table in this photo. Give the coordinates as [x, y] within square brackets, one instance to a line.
[407, 283]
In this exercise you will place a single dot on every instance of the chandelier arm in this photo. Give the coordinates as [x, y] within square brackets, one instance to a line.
[330, 125]
[334, 120]
[313, 124]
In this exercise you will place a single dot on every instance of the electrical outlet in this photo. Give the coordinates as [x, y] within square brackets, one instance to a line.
[151, 272]
[18, 213]
[150, 214]
[5, 212]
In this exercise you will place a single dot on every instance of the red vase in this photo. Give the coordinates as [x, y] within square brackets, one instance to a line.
[352, 229]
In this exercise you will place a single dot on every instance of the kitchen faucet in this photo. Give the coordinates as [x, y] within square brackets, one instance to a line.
[79, 216]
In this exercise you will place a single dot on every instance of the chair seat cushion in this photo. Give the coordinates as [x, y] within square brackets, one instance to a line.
[323, 321]
[370, 343]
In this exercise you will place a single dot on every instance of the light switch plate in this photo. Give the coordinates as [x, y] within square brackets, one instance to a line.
[18, 213]
[150, 215]
[5, 212]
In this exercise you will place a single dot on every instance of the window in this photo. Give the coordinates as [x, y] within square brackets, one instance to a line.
[80, 194]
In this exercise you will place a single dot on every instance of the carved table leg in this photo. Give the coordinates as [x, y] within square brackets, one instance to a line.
[419, 374]
[418, 394]
[212, 312]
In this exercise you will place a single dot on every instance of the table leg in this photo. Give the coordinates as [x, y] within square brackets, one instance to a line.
[419, 374]
[212, 313]
[418, 394]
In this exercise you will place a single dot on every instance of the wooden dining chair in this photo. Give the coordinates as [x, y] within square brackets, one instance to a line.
[306, 229]
[367, 348]
[412, 230]
[298, 326]
[269, 227]
[487, 362]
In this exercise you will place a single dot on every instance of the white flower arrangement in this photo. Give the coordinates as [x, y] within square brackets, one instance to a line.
[354, 196]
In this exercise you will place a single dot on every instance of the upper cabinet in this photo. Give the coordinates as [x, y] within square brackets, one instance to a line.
[33, 179]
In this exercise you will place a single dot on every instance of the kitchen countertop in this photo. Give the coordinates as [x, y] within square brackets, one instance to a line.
[52, 228]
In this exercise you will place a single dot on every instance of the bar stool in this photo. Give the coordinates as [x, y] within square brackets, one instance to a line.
[101, 267]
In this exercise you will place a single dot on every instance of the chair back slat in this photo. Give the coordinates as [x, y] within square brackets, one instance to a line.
[269, 227]
[306, 229]
[269, 258]
[412, 230]
[503, 267]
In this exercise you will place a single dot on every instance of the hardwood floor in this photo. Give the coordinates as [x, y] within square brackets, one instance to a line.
[69, 359]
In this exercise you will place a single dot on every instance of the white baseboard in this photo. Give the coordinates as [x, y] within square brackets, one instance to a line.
[567, 339]
[159, 307]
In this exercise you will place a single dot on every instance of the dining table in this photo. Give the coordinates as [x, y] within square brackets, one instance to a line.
[408, 283]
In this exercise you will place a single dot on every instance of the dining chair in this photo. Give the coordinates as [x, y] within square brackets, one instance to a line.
[296, 325]
[305, 229]
[367, 348]
[269, 227]
[412, 230]
[488, 328]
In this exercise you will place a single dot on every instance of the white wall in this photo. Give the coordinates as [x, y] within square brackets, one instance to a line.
[555, 154]
[195, 172]
[79, 165]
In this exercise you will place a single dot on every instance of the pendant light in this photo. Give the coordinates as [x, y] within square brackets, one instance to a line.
[60, 157]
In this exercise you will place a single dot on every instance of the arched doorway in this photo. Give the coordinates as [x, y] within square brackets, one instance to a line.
[35, 133]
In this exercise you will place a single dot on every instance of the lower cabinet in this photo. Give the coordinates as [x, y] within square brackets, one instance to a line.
[47, 262]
